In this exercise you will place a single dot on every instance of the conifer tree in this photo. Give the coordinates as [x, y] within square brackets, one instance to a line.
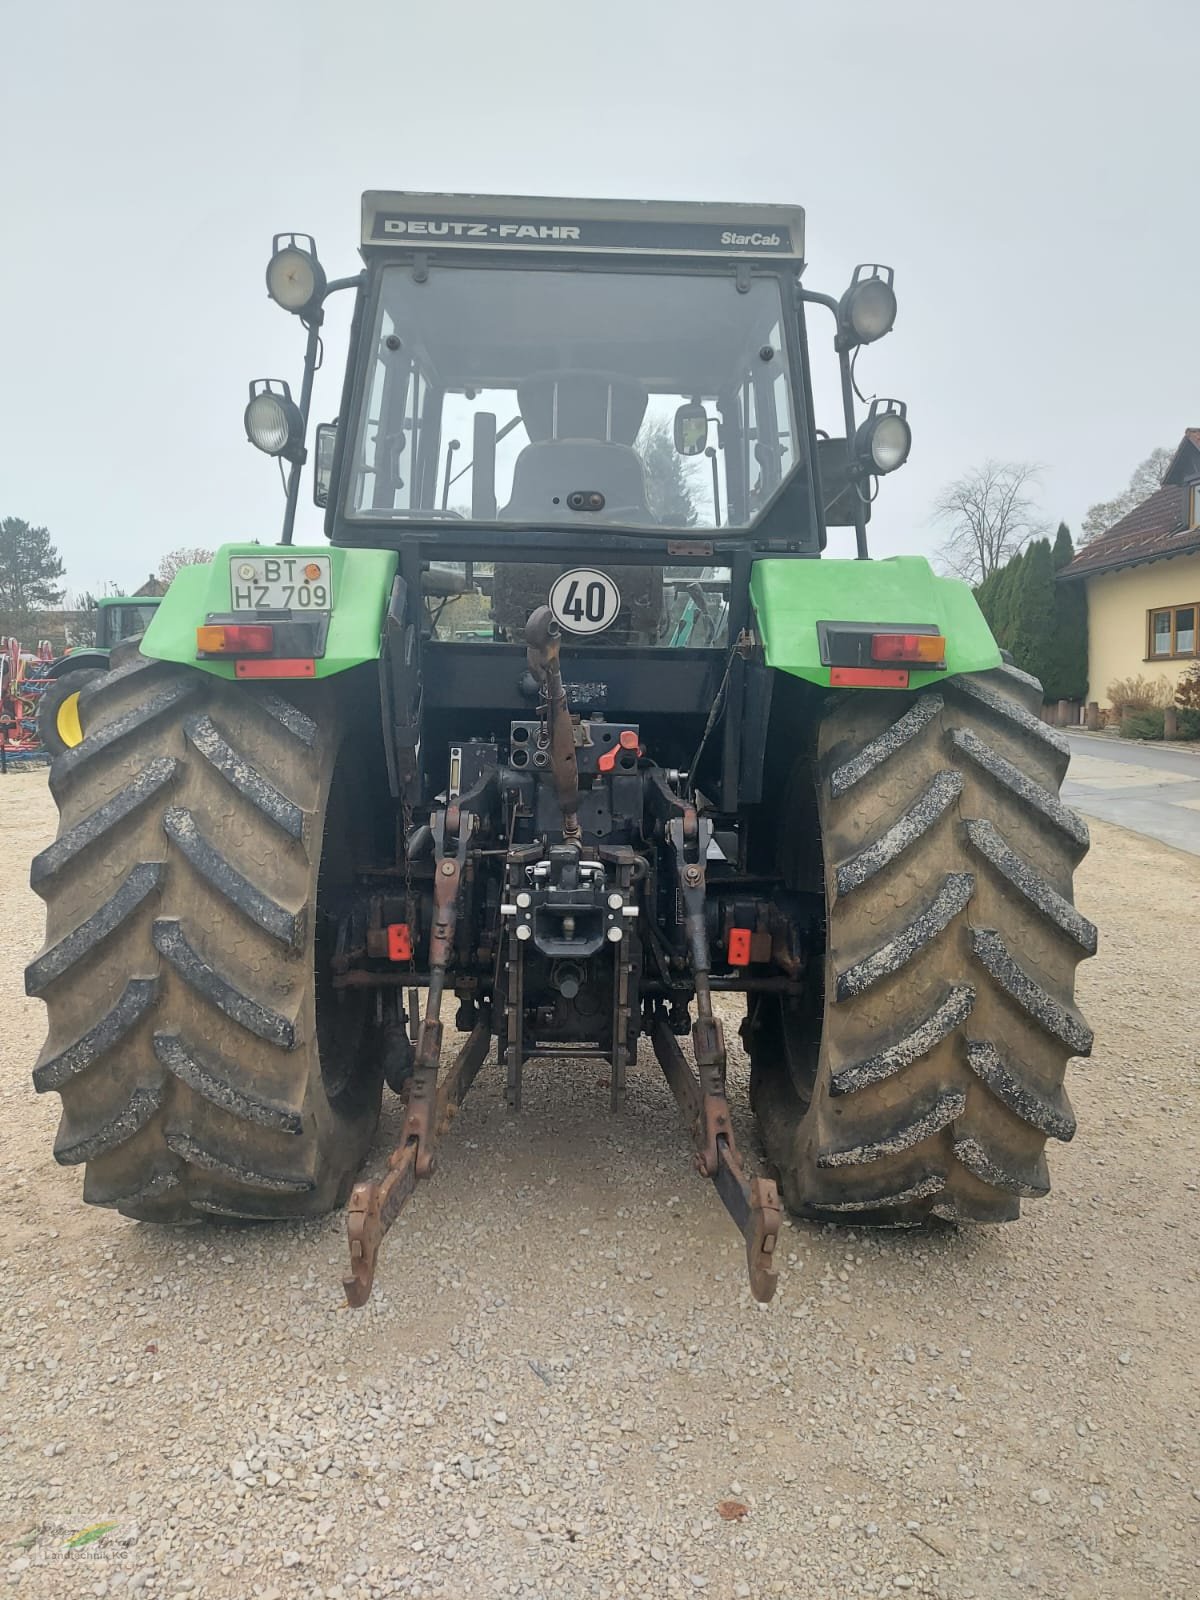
[1067, 658]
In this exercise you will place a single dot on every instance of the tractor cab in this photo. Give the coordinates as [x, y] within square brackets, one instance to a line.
[122, 618]
[620, 394]
[586, 367]
[564, 379]
[601, 405]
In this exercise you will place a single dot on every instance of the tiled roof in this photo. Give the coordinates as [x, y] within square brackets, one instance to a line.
[1157, 528]
[1185, 462]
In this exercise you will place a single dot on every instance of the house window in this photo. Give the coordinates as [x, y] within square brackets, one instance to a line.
[1172, 632]
[1194, 506]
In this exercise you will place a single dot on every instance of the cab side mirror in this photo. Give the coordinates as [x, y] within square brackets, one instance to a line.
[691, 429]
[326, 444]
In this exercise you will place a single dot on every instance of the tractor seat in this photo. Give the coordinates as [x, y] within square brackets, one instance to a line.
[550, 470]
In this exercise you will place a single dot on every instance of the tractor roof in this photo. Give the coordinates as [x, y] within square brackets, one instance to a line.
[396, 220]
[139, 597]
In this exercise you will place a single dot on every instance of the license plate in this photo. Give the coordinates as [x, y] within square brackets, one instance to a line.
[280, 583]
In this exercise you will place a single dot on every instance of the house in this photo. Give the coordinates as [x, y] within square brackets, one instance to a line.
[1143, 582]
[152, 588]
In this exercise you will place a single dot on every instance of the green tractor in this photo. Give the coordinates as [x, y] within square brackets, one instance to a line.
[117, 617]
[571, 719]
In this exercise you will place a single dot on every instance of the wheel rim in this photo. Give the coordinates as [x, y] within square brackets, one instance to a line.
[66, 721]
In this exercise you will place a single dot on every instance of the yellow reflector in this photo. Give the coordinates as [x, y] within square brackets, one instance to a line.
[210, 638]
[931, 648]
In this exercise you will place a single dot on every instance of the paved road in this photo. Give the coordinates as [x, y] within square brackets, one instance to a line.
[1152, 789]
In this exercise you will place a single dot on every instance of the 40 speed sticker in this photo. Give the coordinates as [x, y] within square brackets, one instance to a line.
[585, 601]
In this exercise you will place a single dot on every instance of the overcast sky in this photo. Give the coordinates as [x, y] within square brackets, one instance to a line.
[1028, 169]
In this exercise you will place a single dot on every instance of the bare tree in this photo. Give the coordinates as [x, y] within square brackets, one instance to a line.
[81, 629]
[990, 515]
[189, 556]
[1147, 476]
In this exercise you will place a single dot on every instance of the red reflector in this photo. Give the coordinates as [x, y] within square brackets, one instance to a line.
[739, 947]
[275, 669]
[399, 942]
[865, 678]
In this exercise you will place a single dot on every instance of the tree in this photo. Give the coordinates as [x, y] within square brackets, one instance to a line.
[1008, 584]
[995, 596]
[1066, 659]
[29, 568]
[187, 556]
[1064, 550]
[986, 595]
[1033, 611]
[990, 515]
[1147, 476]
[82, 631]
[668, 477]
[1041, 622]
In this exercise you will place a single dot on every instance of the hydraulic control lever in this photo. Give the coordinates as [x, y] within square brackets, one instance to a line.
[542, 639]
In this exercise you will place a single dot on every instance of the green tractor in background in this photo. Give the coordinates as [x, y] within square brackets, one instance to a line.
[117, 617]
[570, 718]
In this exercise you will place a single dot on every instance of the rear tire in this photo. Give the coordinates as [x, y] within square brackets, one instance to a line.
[952, 942]
[204, 1063]
[58, 710]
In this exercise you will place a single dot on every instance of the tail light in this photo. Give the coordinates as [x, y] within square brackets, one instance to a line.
[235, 639]
[913, 649]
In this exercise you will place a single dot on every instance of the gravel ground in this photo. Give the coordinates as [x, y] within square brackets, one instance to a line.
[561, 1383]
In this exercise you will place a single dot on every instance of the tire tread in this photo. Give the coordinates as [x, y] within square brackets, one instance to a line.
[941, 1064]
[178, 966]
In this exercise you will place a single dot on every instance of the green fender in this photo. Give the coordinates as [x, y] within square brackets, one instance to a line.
[791, 597]
[361, 581]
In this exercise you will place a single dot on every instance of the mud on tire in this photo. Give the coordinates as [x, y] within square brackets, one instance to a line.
[203, 1067]
[948, 1010]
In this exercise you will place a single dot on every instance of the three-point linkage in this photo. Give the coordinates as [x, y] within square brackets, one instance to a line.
[568, 900]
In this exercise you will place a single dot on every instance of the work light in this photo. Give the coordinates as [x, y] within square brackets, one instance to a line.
[273, 420]
[883, 441]
[295, 278]
[867, 310]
